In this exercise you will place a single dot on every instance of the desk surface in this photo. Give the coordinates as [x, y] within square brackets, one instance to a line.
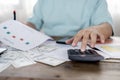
[66, 71]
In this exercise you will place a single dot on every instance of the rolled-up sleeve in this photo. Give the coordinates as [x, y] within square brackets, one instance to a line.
[101, 14]
[36, 18]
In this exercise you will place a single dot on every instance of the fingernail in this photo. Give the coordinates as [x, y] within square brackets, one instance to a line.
[92, 45]
[103, 41]
[73, 44]
[66, 41]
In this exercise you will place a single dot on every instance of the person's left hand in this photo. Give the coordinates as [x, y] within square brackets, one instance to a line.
[91, 35]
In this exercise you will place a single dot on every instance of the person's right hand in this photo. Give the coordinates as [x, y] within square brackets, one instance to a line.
[91, 35]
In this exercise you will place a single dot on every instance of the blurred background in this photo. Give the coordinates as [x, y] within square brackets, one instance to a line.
[24, 10]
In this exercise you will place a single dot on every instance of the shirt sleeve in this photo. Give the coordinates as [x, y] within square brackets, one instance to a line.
[101, 14]
[36, 18]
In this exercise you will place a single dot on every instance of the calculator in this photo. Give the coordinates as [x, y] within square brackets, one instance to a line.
[88, 55]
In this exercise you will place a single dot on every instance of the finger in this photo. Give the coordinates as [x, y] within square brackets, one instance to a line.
[69, 41]
[102, 38]
[84, 41]
[77, 38]
[93, 39]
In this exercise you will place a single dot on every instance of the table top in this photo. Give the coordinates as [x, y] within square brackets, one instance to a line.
[66, 71]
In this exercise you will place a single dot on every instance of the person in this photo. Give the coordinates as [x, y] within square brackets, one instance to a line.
[88, 21]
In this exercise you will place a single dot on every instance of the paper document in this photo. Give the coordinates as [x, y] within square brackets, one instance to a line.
[50, 60]
[22, 61]
[3, 66]
[20, 36]
[11, 55]
[112, 50]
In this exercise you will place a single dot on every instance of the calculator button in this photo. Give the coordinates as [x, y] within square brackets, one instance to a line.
[73, 52]
[88, 52]
[77, 50]
[93, 52]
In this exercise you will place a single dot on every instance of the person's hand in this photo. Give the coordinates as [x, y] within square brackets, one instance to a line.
[91, 35]
[87, 35]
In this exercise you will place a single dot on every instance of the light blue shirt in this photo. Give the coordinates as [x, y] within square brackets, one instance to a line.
[67, 17]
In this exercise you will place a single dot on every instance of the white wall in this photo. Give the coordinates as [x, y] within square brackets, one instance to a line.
[23, 9]
[114, 8]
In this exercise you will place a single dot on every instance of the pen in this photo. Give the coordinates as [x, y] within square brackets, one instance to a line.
[14, 15]
[60, 42]
[63, 40]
